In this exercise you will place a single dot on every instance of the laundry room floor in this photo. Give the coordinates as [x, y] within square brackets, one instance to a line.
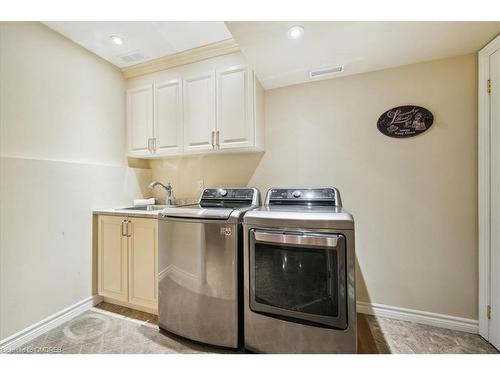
[113, 329]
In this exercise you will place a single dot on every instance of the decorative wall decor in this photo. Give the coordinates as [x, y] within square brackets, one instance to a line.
[405, 121]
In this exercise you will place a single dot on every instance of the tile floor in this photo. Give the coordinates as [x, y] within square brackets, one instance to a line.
[114, 329]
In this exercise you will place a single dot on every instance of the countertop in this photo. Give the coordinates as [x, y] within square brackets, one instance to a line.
[120, 211]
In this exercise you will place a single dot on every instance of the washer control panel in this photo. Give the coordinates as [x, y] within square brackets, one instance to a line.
[229, 194]
[307, 196]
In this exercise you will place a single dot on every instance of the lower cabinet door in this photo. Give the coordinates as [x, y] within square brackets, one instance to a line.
[112, 264]
[143, 250]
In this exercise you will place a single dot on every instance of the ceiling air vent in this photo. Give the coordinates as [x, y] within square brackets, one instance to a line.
[326, 71]
[132, 57]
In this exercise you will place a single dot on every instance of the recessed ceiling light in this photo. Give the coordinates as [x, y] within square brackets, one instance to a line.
[116, 39]
[295, 32]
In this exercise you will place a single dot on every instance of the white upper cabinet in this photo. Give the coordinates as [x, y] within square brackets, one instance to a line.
[140, 120]
[200, 108]
[168, 129]
[199, 112]
[235, 125]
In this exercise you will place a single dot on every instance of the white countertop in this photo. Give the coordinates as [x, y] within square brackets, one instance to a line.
[121, 211]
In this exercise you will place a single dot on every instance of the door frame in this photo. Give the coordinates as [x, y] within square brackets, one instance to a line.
[484, 184]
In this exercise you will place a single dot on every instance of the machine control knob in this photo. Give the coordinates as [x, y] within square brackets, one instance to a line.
[296, 194]
[223, 192]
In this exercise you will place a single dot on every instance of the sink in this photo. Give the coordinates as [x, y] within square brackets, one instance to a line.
[159, 207]
[151, 207]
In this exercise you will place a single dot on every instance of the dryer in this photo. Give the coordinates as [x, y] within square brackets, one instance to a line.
[299, 275]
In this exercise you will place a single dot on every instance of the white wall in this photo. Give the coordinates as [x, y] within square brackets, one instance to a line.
[62, 149]
[414, 200]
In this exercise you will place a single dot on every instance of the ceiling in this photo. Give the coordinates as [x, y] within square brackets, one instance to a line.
[358, 46]
[279, 61]
[142, 41]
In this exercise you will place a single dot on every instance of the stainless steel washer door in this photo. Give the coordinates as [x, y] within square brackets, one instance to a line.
[299, 276]
[198, 280]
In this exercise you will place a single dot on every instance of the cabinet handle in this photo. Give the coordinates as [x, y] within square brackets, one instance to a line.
[213, 135]
[124, 233]
[128, 232]
[217, 142]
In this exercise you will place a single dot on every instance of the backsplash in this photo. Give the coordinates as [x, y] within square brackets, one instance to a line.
[233, 170]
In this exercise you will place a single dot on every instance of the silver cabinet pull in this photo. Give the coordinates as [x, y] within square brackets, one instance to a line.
[213, 136]
[124, 230]
[217, 142]
[128, 232]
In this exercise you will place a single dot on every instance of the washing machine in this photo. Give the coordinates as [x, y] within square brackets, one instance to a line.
[200, 267]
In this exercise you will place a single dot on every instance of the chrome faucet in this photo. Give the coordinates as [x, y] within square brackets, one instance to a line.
[168, 188]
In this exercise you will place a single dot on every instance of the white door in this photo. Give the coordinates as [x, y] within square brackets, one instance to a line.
[235, 125]
[199, 112]
[143, 250]
[494, 324]
[168, 118]
[112, 260]
[140, 120]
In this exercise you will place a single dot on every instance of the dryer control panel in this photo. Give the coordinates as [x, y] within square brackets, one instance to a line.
[303, 196]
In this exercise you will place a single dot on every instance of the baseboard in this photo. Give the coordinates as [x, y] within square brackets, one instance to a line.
[149, 310]
[416, 316]
[22, 337]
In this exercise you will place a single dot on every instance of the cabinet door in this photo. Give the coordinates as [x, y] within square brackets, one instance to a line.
[199, 112]
[143, 250]
[235, 125]
[168, 118]
[112, 263]
[140, 120]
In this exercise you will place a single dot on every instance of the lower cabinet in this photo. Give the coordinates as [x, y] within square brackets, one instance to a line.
[127, 261]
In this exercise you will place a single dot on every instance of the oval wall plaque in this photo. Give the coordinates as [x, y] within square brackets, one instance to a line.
[405, 121]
